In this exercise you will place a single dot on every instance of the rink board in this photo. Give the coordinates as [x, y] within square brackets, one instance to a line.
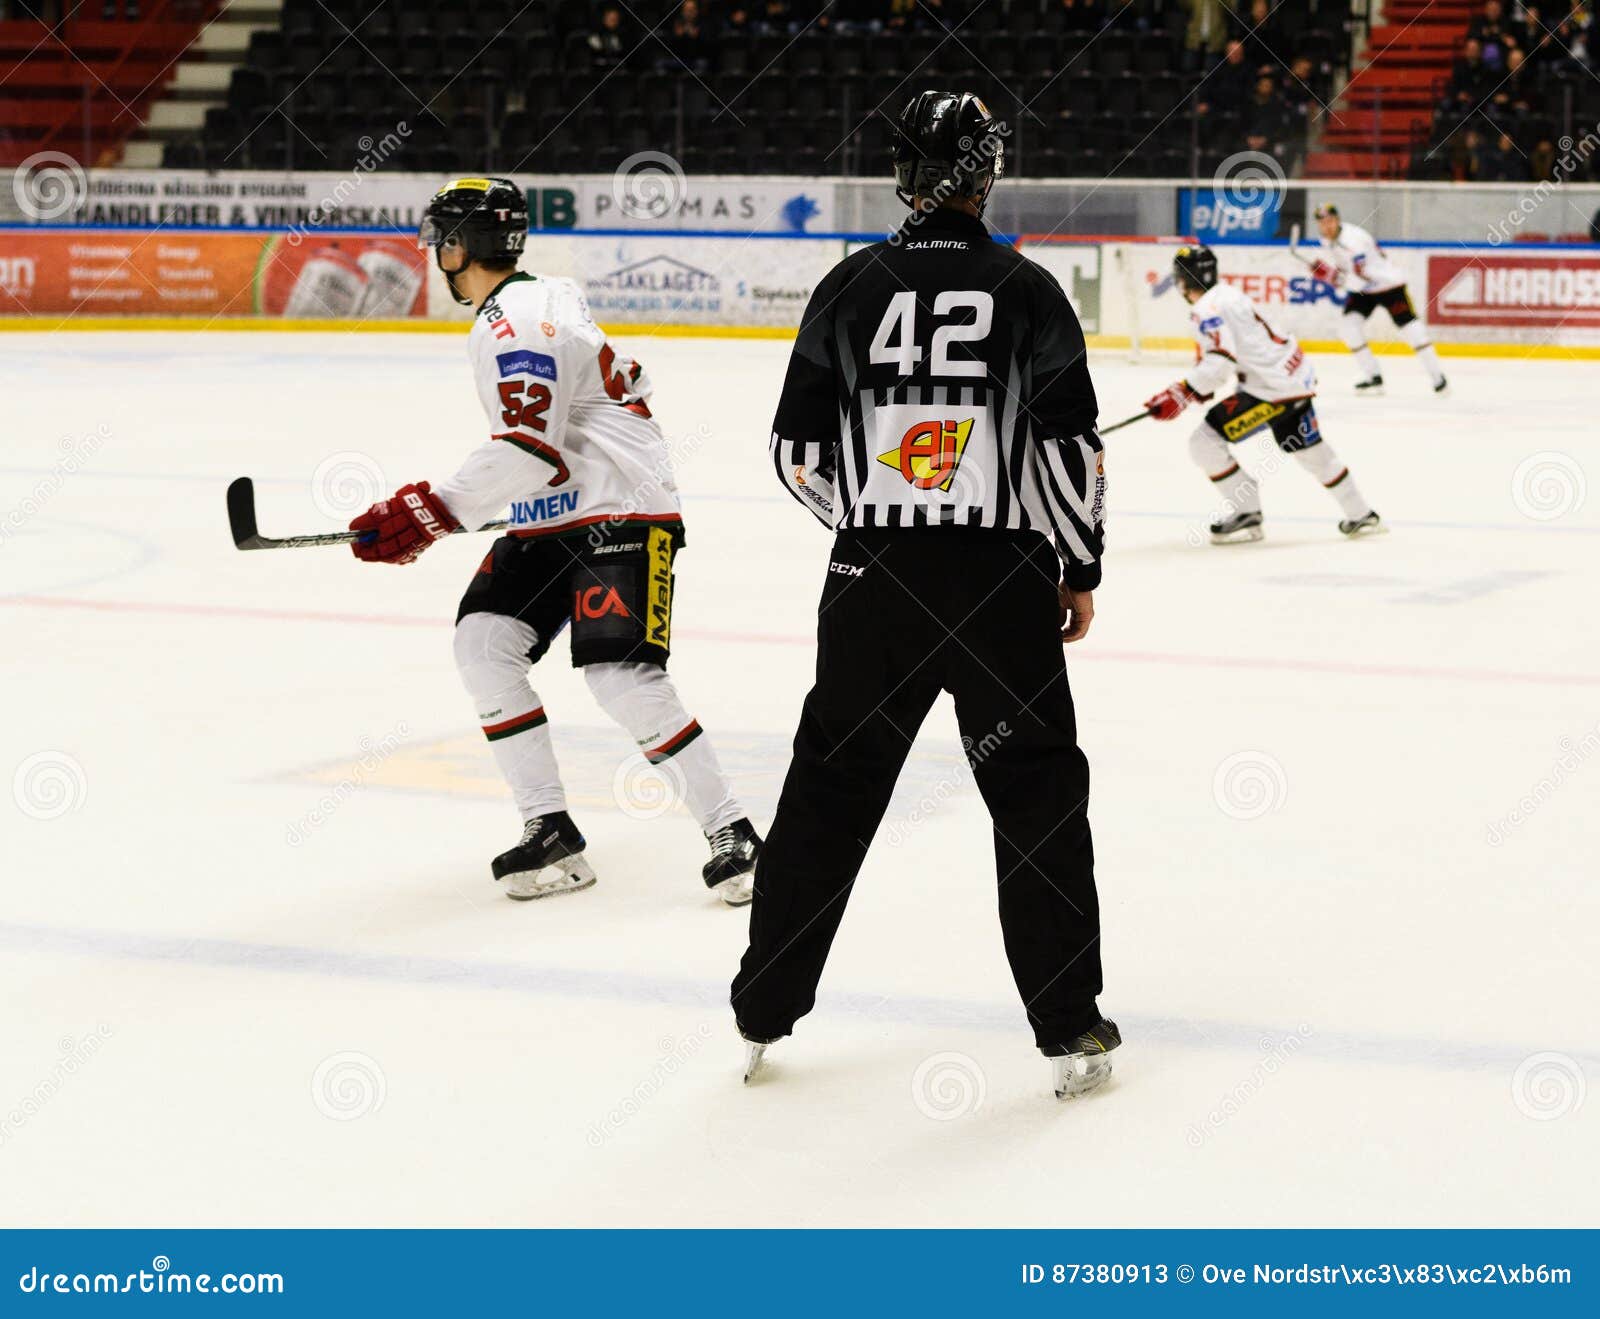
[1475, 299]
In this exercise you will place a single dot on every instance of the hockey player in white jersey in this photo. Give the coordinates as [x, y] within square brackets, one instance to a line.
[595, 522]
[1354, 261]
[1276, 384]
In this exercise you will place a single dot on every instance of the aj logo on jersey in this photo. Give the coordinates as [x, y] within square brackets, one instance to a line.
[929, 453]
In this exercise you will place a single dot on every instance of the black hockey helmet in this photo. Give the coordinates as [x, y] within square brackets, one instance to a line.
[947, 144]
[488, 217]
[1195, 267]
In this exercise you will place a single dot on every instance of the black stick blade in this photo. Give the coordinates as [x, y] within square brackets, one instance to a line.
[242, 514]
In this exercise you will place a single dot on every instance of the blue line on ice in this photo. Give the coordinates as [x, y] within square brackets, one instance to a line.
[610, 984]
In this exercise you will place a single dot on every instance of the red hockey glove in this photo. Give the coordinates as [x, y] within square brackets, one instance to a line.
[1323, 271]
[1170, 401]
[402, 526]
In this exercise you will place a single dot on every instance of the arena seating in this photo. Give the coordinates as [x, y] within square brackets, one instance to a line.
[1089, 87]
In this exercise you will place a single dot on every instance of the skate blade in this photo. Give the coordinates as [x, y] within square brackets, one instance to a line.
[1080, 1074]
[754, 1058]
[1371, 391]
[738, 890]
[1241, 537]
[1377, 529]
[571, 874]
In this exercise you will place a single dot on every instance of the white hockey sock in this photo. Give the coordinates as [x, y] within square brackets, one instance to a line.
[492, 656]
[1416, 334]
[642, 698]
[1353, 330]
[1323, 463]
[1236, 487]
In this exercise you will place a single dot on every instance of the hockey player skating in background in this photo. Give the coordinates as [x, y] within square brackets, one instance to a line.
[1355, 262]
[1275, 388]
[596, 523]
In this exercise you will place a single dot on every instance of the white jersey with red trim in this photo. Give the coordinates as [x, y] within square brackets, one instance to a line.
[572, 441]
[1230, 336]
[1365, 266]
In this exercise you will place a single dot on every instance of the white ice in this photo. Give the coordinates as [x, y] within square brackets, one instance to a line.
[256, 971]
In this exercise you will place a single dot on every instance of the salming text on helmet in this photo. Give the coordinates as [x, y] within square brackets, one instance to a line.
[487, 217]
[947, 144]
[1195, 267]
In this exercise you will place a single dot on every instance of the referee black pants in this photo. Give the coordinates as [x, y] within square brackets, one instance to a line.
[905, 615]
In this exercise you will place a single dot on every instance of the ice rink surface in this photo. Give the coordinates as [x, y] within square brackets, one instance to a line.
[256, 971]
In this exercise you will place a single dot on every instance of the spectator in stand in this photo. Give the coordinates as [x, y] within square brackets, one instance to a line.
[1263, 34]
[1265, 114]
[1504, 163]
[775, 20]
[1300, 91]
[1542, 159]
[909, 15]
[736, 25]
[1493, 32]
[608, 43]
[1205, 34]
[1470, 78]
[858, 16]
[688, 45]
[1466, 156]
[1228, 86]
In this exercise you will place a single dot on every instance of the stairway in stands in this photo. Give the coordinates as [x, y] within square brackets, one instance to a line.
[84, 86]
[1387, 106]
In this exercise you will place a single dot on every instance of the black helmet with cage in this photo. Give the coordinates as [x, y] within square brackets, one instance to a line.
[1194, 266]
[947, 144]
[486, 217]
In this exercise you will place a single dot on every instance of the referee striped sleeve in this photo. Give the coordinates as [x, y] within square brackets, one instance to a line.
[1072, 483]
[795, 462]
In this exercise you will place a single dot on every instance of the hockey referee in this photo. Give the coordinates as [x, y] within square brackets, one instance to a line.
[938, 415]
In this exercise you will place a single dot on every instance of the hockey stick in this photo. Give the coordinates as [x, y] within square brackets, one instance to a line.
[1137, 416]
[246, 536]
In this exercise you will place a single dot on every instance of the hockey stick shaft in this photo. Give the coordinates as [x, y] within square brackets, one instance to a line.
[1137, 416]
[247, 536]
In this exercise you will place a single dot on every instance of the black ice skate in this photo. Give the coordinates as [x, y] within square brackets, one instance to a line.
[1083, 1063]
[548, 860]
[1371, 387]
[1367, 525]
[1237, 529]
[1442, 388]
[730, 873]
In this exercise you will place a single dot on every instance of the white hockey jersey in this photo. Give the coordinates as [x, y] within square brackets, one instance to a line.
[572, 441]
[1231, 336]
[1365, 266]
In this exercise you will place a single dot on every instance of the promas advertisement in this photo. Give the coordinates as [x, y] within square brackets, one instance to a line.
[115, 272]
[701, 281]
[1513, 291]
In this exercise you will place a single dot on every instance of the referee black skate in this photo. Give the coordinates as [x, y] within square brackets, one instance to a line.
[938, 414]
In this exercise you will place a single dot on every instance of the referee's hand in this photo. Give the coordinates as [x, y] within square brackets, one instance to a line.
[1077, 612]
